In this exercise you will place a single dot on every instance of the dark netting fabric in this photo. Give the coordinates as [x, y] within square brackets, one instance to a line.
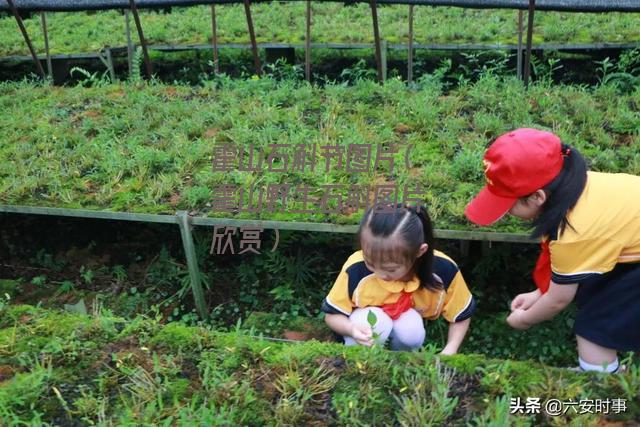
[559, 5]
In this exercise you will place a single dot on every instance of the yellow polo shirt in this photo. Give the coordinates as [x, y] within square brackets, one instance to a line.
[357, 286]
[605, 229]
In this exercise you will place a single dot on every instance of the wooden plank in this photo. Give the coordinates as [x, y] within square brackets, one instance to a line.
[85, 213]
[527, 59]
[27, 40]
[410, 48]
[376, 37]
[192, 264]
[266, 224]
[143, 43]
[395, 46]
[307, 47]
[47, 52]
[130, 47]
[519, 50]
[252, 37]
[214, 40]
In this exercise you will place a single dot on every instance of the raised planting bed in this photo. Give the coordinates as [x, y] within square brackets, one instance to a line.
[75, 33]
[61, 368]
[153, 148]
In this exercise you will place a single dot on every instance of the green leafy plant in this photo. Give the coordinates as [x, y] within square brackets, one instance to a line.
[64, 287]
[135, 72]
[88, 79]
[498, 414]
[300, 387]
[282, 70]
[428, 403]
[624, 75]
[372, 319]
[545, 71]
[87, 275]
[359, 71]
[39, 280]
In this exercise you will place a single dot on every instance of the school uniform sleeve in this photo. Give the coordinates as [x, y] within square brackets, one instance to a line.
[338, 300]
[459, 304]
[576, 261]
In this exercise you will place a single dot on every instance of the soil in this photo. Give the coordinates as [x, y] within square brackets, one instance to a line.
[61, 249]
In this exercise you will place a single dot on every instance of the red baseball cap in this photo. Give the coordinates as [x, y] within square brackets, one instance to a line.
[517, 164]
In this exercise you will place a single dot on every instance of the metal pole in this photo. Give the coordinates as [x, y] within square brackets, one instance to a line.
[23, 30]
[307, 47]
[192, 263]
[519, 50]
[410, 47]
[527, 59]
[383, 58]
[129, 42]
[376, 37]
[252, 36]
[43, 22]
[112, 71]
[214, 40]
[136, 18]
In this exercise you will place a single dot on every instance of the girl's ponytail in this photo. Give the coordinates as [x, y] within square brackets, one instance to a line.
[424, 264]
[562, 195]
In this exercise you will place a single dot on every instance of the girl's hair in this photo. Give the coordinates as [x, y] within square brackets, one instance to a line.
[395, 234]
[562, 195]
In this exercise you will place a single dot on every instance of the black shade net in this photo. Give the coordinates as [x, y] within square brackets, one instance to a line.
[558, 5]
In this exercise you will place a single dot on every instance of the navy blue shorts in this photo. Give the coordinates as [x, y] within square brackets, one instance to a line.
[609, 308]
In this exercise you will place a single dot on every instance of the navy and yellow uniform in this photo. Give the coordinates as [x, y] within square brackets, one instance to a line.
[357, 286]
[600, 251]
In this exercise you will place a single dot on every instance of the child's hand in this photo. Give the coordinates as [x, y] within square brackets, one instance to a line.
[524, 301]
[362, 334]
[516, 321]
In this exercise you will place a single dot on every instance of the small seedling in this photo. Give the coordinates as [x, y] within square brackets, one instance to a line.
[66, 286]
[39, 280]
[372, 319]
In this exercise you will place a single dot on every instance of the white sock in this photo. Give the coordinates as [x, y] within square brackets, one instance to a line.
[611, 367]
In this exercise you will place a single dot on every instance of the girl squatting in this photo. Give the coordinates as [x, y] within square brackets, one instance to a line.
[399, 276]
[589, 224]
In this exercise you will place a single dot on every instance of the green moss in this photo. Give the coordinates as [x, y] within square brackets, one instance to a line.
[176, 336]
[140, 327]
[42, 327]
[213, 377]
[465, 363]
[512, 378]
[272, 324]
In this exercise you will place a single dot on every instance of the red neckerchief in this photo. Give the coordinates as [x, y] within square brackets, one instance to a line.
[404, 303]
[542, 271]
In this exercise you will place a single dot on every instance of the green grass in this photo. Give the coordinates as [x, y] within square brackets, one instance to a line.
[149, 148]
[284, 22]
[57, 368]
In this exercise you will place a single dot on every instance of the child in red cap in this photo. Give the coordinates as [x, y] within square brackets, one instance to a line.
[401, 279]
[589, 223]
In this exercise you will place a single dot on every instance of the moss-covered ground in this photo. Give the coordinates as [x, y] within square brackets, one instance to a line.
[60, 368]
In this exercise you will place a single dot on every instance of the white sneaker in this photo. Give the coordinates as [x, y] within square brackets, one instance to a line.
[621, 370]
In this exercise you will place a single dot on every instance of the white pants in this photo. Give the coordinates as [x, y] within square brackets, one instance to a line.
[406, 332]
